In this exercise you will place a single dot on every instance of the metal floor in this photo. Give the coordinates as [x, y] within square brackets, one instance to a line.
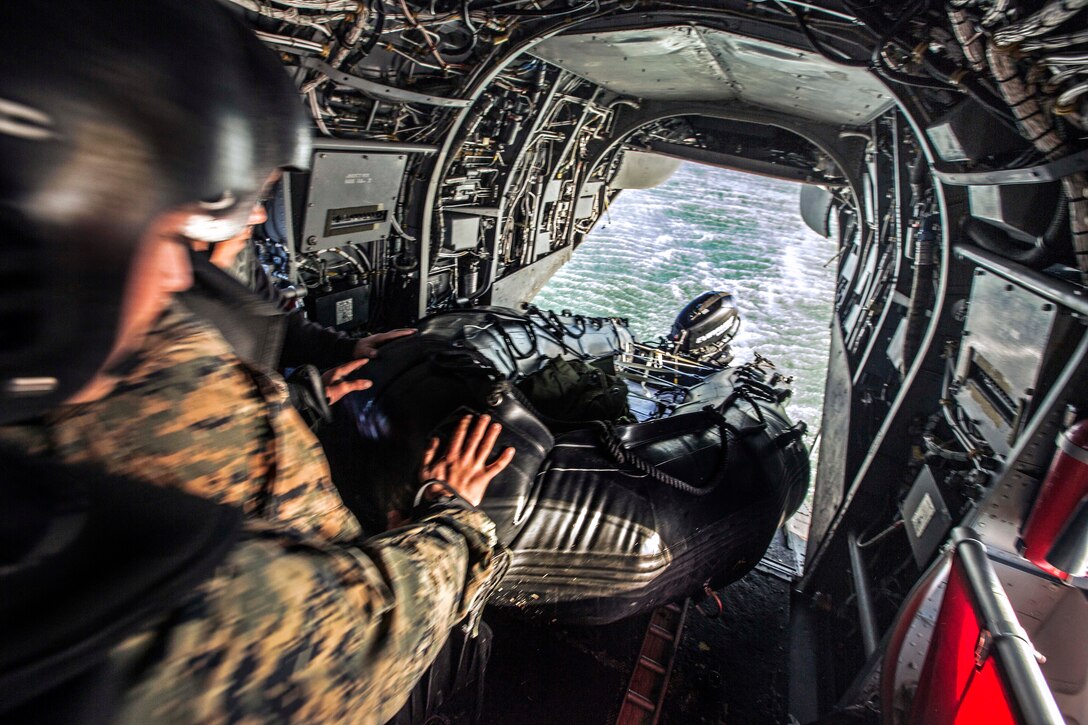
[732, 668]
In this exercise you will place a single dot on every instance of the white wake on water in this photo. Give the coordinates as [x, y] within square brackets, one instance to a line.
[704, 229]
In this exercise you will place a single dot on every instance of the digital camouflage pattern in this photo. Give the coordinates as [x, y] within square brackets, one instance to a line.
[188, 413]
[297, 630]
[304, 622]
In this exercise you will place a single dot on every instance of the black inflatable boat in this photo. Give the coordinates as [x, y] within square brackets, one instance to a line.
[605, 518]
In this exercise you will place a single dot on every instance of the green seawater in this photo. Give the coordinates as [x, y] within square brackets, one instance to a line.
[713, 229]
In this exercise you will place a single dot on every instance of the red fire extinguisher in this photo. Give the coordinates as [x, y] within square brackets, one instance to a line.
[1063, 489]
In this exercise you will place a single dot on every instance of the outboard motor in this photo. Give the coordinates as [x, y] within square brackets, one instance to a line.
[705, 327]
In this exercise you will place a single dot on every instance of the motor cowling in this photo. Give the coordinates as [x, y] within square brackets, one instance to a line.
[705, 327]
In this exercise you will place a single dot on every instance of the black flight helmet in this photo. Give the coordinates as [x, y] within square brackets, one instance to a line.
[113, 112]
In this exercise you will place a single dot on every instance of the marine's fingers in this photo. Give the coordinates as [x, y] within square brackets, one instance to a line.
[352, 386]
[336, 391]
[458, 437]
[392, 334]
[432, 450]
[336, 374]
[488, 443]
[373, 342]
[495, 467]
[478, 430]
[352, 366]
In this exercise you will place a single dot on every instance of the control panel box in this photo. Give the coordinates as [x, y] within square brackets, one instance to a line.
[343, 310]
[969, 133]
[926, 517]
[1009, 341]
[350, 198]
[462, 232]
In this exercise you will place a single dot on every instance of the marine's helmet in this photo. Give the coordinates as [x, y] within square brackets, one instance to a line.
[704, 328]
[113, 112]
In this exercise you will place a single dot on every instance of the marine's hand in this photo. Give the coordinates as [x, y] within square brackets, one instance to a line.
[464, 466]
[368, 346]
[335, 385]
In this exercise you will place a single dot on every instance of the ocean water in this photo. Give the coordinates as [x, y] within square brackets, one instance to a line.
[713, 229]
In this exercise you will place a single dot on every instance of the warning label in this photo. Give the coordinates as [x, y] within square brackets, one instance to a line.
[922, 515]
[345, 311]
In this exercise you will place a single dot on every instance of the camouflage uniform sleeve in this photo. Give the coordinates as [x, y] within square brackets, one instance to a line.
[301, 630]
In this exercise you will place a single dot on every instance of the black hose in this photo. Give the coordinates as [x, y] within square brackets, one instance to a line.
[907, 79]
[951, 74]
[872, 19]
[875, 22]
[1046, 249]
[820, 47]
[921, 295]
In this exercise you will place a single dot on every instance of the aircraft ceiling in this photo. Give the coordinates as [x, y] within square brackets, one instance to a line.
[687, 62]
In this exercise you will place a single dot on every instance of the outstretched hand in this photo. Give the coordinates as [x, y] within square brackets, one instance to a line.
[464, 466]
[365, 349]
[368, 346]
[335, 385]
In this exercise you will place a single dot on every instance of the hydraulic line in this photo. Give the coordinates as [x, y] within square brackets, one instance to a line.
[286, 42]
[819, 47]
[1062, 76]
[1049, 17]
[863, 596]
[353, 261]
[1079, 58]
[1067, 98]
[293, 16]
[1036, 126]
[998, 12]
[969, 40]
[947, 72]
[1055, 42]
[323, 5]
[351, 39]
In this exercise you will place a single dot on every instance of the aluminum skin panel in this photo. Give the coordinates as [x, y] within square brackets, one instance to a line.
[522, 286]
[680, 63]
[1007, 337]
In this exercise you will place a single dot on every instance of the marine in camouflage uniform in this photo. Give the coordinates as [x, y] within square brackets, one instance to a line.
[103, 168]
[304, 621]
[188, 413]
[299, 630]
